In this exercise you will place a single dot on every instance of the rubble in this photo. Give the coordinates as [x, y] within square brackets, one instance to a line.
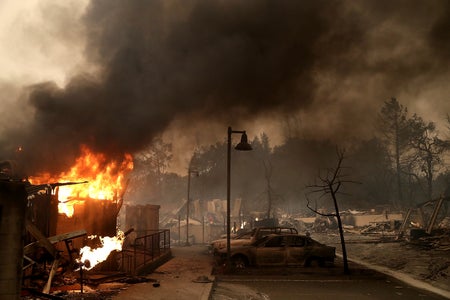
[439, 243]
[430, 263]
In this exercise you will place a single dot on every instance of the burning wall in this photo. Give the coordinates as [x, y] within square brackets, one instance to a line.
[97, 217]
[43, 212]
[86, 197]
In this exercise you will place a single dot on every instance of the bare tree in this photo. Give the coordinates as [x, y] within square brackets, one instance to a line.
[330, 184]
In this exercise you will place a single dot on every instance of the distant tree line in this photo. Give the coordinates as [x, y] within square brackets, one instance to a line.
[402, 164]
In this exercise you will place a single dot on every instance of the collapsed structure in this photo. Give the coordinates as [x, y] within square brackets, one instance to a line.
[48, 246]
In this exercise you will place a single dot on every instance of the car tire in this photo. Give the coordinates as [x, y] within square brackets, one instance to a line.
[239, 262]
[314, 261]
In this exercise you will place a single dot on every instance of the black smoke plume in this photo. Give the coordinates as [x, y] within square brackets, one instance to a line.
[217, 60]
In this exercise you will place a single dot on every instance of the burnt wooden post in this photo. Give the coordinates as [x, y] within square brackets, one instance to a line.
[13, 200]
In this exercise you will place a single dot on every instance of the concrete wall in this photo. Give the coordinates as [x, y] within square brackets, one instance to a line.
[13, 199]
[364, 220]
[198, 234]
[142, 217]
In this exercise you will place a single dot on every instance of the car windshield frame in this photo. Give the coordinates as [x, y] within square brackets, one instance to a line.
[260, 241]
[243, 235]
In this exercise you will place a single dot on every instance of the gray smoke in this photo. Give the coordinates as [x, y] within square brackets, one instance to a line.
[219, 60]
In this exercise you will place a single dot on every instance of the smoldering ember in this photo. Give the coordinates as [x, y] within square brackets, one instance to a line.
[121, 125]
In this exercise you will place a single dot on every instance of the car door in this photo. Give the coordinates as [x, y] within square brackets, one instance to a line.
[272, 252]
[296, 250]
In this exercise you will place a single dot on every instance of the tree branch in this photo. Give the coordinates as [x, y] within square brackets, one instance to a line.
[317, 212]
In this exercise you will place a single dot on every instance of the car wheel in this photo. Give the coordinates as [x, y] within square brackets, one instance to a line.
[239, 262]
[314, 261]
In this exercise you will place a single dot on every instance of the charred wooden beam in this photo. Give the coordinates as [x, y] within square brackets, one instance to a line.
[41, 239]
[30, 248]
[36, 189]
[434, 215]
[52, 273]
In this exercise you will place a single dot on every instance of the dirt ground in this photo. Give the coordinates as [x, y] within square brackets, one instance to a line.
[431, 265]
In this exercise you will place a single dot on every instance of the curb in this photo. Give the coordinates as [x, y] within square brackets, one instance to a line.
[403, 277]
[206, 294]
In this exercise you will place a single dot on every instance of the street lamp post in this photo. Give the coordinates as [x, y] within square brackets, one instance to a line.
[242, 146]
[190, 171]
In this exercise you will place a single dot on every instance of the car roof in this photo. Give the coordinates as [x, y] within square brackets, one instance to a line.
[274, 227]
[266, 237]
[287, 234]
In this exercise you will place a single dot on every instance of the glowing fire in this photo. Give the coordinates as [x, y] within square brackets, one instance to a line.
[105, 179]
[91, 257]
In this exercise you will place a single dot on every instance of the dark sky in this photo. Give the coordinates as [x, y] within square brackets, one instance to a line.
[211, 63]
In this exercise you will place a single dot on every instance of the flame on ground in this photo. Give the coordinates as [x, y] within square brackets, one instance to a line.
[91, 257]
[106, 179]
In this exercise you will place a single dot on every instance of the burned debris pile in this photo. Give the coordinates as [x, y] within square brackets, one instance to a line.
[46, 253]
[416, 242]
[52, 264]
[440, 242]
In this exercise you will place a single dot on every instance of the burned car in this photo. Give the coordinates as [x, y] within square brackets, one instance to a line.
[280, 250]
[248, 237]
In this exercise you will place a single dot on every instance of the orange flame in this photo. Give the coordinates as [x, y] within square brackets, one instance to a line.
[105, 179]
[91, 257]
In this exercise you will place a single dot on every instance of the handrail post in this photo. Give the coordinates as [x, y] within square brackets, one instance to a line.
[134, 258]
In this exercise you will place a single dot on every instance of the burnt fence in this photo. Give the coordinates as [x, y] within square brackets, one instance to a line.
[144, 249]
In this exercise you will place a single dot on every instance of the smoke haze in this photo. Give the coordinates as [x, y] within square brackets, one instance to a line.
[187, 67]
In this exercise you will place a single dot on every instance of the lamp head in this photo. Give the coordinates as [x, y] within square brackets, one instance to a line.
[243, 145]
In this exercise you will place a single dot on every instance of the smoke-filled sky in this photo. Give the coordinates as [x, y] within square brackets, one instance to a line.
[114, 74]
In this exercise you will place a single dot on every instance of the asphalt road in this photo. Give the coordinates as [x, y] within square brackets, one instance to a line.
[314, 283]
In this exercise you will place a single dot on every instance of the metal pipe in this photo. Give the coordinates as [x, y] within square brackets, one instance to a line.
[230, 131]
[81, 277]
[228, 196]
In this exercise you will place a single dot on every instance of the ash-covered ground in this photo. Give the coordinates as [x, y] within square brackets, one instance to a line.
[425, 260]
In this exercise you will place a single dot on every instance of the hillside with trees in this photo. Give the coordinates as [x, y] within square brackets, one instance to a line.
[405, 162]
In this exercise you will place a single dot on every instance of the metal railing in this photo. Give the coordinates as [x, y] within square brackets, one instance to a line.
[145, 248]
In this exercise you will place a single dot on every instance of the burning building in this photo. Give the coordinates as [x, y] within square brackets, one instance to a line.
[70, 218]
[89, 196]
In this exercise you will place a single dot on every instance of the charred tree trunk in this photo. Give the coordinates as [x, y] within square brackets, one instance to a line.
[341, 234]
[331, 184]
